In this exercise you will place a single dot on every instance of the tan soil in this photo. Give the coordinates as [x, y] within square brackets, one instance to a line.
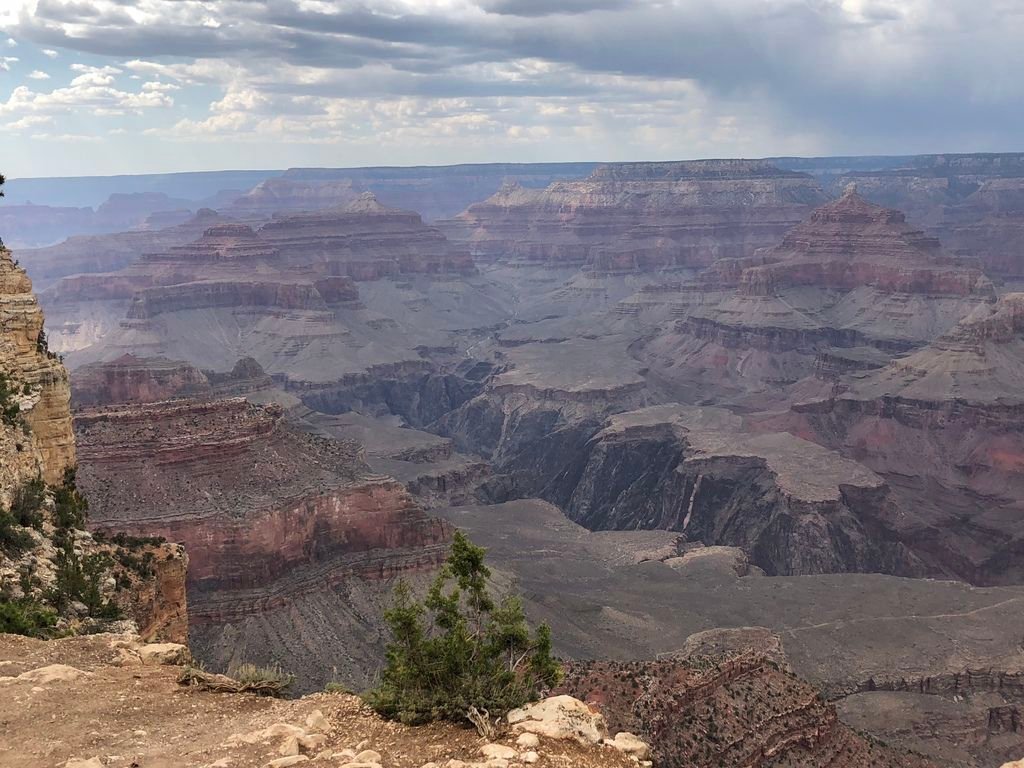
[132, 716]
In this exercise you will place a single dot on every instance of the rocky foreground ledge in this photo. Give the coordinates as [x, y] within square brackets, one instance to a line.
[109, 701]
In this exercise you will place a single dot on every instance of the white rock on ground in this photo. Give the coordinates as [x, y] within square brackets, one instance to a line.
[560, 717]
[284, 762]
[53, 673]
[630, 744]
[154, 654]
[498, 751]
[528, 741]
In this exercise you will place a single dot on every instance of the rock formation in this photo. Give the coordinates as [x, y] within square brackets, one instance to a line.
[31, 225]
[742, 709]
[436, 192]
[944, 423]
[109, 252]
[284, 295]
[291, 563]
[974, 203]
[131, 379]
[366, 241]
[641, 216]
[38, 380]
[853, 276]
[793, 506]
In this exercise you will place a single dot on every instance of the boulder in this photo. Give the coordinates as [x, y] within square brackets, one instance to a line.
[560, 717]
[156, 654]
[528, 741]
[500, 751]
[52, 674]
[630, 744]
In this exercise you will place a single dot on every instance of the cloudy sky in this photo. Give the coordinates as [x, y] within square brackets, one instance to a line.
[130, 86]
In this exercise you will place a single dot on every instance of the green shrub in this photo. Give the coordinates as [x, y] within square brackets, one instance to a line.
[27, 504]
[459, 653]
[25, 617]
[78, 579]
[9, 409]
[69, 506]
[14, 539]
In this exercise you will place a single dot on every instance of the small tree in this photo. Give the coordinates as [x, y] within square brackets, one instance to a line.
[459, 654]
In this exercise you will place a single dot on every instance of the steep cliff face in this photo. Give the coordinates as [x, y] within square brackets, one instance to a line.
[313, 530]
[628, 217]
[792, 506]
[54, 575]
[42, 383]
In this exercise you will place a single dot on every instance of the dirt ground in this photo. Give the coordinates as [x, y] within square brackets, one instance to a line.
[133, 716]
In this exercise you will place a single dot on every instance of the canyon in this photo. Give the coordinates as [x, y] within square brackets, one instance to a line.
[693, 410]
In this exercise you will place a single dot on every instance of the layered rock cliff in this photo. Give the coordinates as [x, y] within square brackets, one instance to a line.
[853, 276]
[627, 217]
[946, 420]
[974, 203]
[291, 562]
[792, 506]
[366, 240]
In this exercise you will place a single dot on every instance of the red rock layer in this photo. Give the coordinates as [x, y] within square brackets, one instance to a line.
[252, 498]
[131, 379]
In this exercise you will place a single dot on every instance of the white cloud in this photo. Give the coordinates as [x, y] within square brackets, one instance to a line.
[673, 78]
[38, 74]
[50, 53]
[92, 89]
[27, 122]
[6, 61]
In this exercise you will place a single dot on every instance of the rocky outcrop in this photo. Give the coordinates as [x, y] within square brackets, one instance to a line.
[794, 507]
[38, 380]
[131, 379]
[740, 710]
[640, 216]
[313, 530]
